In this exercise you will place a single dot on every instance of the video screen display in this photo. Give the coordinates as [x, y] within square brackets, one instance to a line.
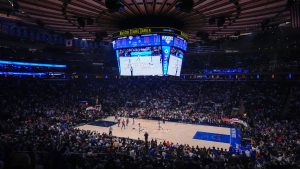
[149, 40]
[180, 43]
[175, 62]
[167, 40]
[146, 61]
[137, 41]
[150, 54]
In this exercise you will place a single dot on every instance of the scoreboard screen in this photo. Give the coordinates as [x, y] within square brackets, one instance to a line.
[167, 40]
[149, 40]
[175, 62]
[149, 54]
[137, 41]
[180, 43]
[140, 61]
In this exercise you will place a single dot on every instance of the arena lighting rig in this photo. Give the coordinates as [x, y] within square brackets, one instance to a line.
[150, 51]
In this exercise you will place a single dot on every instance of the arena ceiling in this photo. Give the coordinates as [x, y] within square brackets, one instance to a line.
[207, 18]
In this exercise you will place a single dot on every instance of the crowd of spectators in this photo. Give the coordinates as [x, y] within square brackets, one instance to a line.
[38, 119]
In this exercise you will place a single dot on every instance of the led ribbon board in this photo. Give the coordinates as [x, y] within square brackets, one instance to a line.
[31, 64]
[150, 30]
[22, 73]
[166, 55]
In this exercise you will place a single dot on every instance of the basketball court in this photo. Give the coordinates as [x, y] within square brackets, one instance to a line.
[181, 133]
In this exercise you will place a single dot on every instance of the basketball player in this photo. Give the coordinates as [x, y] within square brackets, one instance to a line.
[138, 58]
[127, 121]
[159, 127]
[119, 121]
[160, 59]
[129, 63]
[133, 121]
[163, 119]
[139, 124]
[110, 131]
[150, 63]
[176, 68]
[123, 124]
[131, 71]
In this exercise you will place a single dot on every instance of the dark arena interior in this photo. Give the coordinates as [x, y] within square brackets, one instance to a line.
[149, 84]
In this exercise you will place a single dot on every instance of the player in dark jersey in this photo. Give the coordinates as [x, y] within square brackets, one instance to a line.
[119, 121]
[131, 71]
[123, 124]
[110, 131]
[159, 126]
